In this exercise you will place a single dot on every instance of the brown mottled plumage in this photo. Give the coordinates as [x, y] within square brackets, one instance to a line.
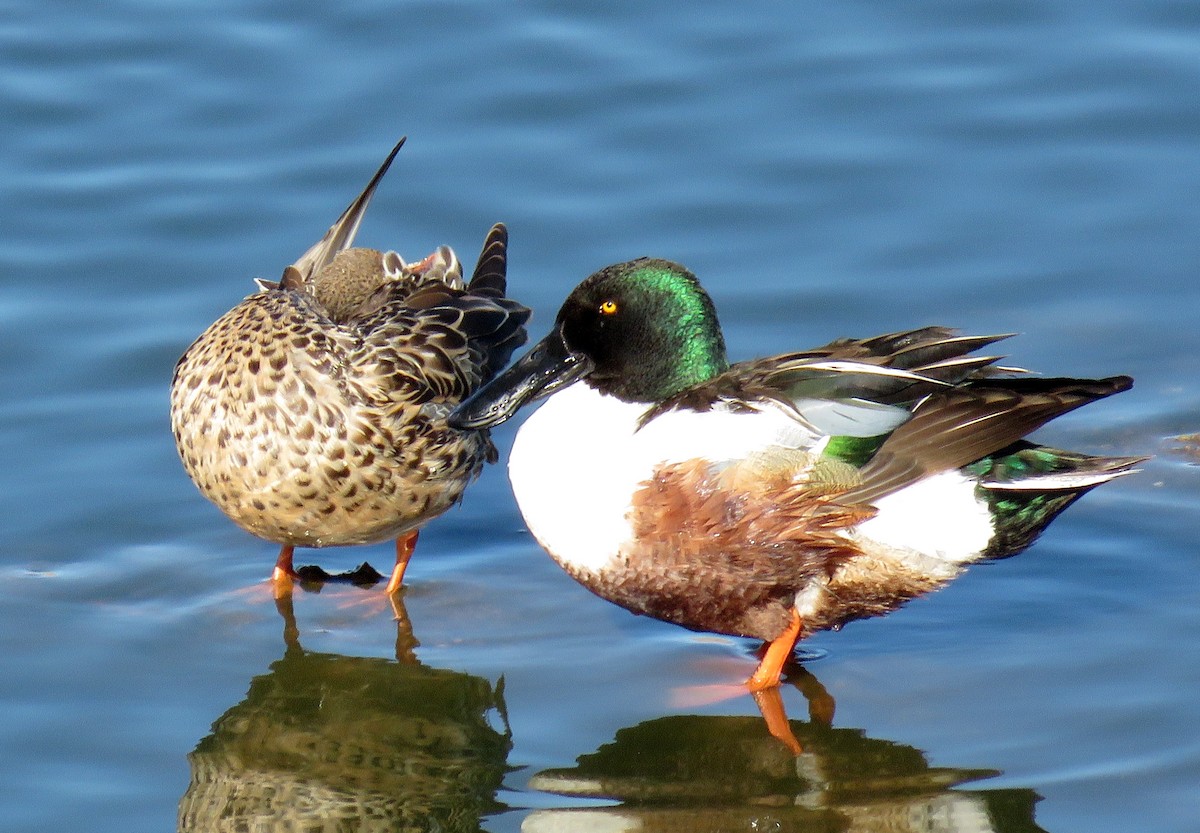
[314, 412]
[727, 551]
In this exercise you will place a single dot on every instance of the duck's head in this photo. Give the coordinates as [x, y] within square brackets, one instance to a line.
[641, 331]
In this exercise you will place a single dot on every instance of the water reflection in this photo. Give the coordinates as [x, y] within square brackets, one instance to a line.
[684, 774]
[330, 743]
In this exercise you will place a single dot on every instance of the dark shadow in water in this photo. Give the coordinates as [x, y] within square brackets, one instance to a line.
[687, 774]
[332, 743]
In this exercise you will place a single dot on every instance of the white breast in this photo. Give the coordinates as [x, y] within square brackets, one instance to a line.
[579, 458]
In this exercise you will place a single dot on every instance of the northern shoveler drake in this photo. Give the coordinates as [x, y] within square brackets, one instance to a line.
[314, 412]
[778, 497]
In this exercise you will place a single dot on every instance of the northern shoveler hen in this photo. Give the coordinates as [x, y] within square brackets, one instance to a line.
[314, 412]
[777, 497]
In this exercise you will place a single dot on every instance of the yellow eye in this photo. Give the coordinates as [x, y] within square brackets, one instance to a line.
[608, 307]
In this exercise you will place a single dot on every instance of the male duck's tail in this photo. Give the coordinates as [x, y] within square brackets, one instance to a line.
[1027, 485]
[957, 426]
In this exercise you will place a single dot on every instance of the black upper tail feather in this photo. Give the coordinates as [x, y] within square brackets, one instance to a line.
[490, 278]
[1052, 462]
[495, 328]
[1025, 499]
[501, 336]
[1116, 465]
[954, 427]
[493, 322]
[1093, 389]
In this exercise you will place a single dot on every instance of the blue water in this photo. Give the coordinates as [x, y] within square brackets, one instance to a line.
[827, 169]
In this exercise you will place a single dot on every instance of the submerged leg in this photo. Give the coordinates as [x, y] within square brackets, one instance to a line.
[404, 550]
[821, 704]
[406, 642]
[770, 704]
[284, 572]
[769, 670]
[291, 631]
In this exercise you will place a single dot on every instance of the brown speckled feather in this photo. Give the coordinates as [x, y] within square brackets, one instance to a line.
[313, 413]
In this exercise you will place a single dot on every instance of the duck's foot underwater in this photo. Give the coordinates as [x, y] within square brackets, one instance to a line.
[821, 706]
[780, 664]
[406, 642]
[764, 687]
[312, 577]
[770, 705]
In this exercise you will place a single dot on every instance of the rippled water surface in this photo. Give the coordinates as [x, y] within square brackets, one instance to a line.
[827, 169]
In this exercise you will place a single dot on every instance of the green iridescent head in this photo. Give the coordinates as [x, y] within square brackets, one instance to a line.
[641, 331]
[648, 327]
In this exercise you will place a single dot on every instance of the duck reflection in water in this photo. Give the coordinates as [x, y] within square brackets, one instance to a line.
[331, 743]
[688, 773]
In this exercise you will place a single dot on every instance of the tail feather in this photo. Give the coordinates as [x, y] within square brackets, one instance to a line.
[490, 280]
[341, 234]
[1086, 473]
[1028, 485]
[491, 272]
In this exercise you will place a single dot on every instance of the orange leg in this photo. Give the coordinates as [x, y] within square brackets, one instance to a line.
[406, 642]
[770, 703]
[283, 574]
[291, 632]
[771, 668]
[404, 550]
